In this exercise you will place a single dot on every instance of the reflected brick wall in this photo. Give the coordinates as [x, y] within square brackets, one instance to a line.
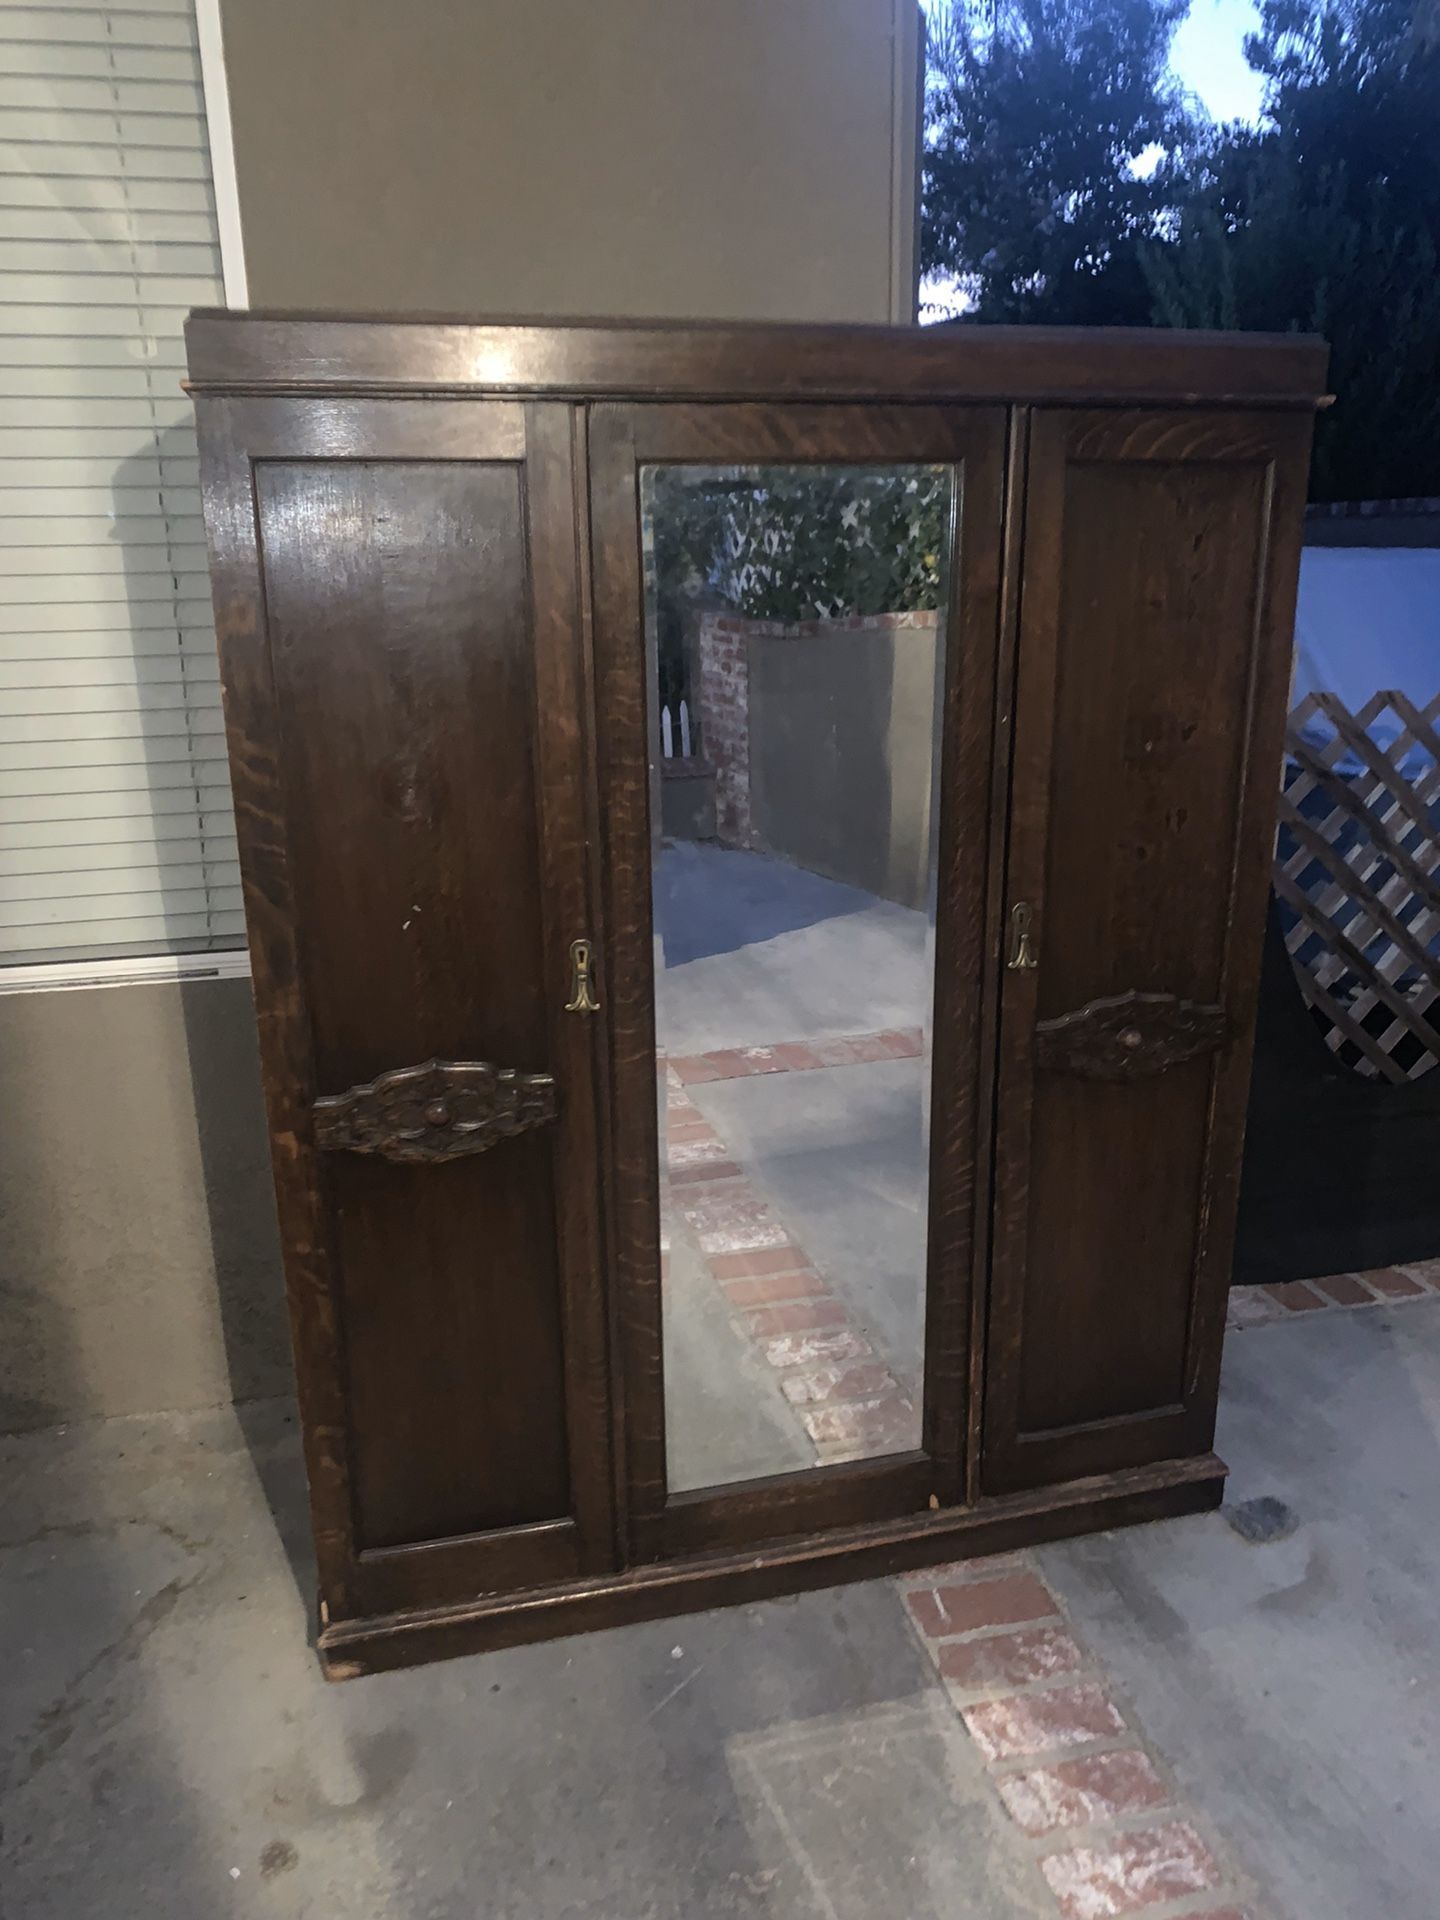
[724, 702]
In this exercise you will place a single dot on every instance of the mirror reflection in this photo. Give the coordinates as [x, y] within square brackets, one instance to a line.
[796, 658]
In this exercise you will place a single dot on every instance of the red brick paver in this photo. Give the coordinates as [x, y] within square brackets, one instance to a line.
[865, 1381]
[1078, 1793]
[688, 1175]
[884, 1425]
[1043, 1717]
[798, 1316]
[845, 1398]
[1008, 1660]
[1395, 1284]
[773, 1287]
[1063, 1761]
[982, 1603]
[1345, 1290]
[1263, 1306]
[809, 1345]
[799, 1056]
[1297, 1296]
[1133, 1871]
[738, 1266]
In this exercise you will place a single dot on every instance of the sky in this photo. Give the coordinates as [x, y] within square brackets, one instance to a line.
[1208, 55]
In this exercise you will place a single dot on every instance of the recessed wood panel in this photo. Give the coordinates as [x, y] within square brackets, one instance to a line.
[1149, 693]
[1160, 573]
[452, 1328]
[401, 650]
[402, 657]
[1144, 633]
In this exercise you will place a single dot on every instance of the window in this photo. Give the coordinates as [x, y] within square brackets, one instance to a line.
[117, 840]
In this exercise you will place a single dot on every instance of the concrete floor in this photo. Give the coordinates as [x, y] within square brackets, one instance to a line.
[751, 949]
[1295, 1687]
[170, 1750]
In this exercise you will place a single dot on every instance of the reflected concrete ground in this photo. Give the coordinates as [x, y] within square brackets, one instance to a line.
[819, 1151]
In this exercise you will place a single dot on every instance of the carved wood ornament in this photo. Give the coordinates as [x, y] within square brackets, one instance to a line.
[1129, 1035]
[440, 1111]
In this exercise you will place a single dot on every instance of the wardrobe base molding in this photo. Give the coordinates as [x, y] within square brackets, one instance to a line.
[349, 1649]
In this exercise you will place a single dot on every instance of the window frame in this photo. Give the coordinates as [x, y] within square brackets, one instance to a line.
[220, 963]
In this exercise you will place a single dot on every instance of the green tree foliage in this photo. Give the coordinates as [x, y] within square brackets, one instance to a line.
[791, 543]
[1044, 118]
[1053, 131]
[1327, 219]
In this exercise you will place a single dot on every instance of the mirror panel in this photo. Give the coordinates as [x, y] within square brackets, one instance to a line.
[795, 668]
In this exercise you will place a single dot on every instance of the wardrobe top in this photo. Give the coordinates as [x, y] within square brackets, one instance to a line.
[262, 352]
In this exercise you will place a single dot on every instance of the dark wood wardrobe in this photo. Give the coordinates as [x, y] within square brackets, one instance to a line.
[756, 1069]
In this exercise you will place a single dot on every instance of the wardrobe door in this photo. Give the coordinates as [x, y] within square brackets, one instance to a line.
[1157, 603]
[396, 596]
[795, 615]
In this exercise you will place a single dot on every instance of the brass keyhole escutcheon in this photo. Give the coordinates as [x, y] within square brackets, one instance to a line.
[1023, 956]
[583, 998]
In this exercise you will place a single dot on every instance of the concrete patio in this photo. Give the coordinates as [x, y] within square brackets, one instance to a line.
[170, 1749]
[1233, 1715]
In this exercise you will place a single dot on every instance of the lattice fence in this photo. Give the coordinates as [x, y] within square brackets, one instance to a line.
[1356, 865]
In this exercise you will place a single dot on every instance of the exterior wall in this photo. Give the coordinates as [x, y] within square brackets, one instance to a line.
[1373, 523]
[137, 1230]
[821, 738]
[739, 160]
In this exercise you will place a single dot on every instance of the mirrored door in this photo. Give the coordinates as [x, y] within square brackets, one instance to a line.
[795, 614]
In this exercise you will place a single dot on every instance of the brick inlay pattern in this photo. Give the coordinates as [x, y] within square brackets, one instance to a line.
[1009, 1660]
[1097, 1810]
[1382, 1286]
[1081, 1793]
[840, 1390]
[1134, 1871]
[799, 1056]
[1041, 1718]
[1096, 1807]
[1003, 1602]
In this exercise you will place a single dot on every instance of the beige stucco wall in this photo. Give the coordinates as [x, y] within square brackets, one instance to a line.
[139, 1266]
[720, 158]
[844, 749]
[714, 159]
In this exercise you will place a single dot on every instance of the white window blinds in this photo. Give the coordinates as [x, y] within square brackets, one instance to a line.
[116, 835]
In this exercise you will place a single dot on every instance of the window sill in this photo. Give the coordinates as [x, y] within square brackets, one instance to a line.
[62, 976]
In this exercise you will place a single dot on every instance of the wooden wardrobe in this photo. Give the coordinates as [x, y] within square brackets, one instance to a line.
[956, 952]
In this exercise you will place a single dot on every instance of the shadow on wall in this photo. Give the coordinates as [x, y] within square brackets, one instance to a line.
[137, 1237]
[139, 1259]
